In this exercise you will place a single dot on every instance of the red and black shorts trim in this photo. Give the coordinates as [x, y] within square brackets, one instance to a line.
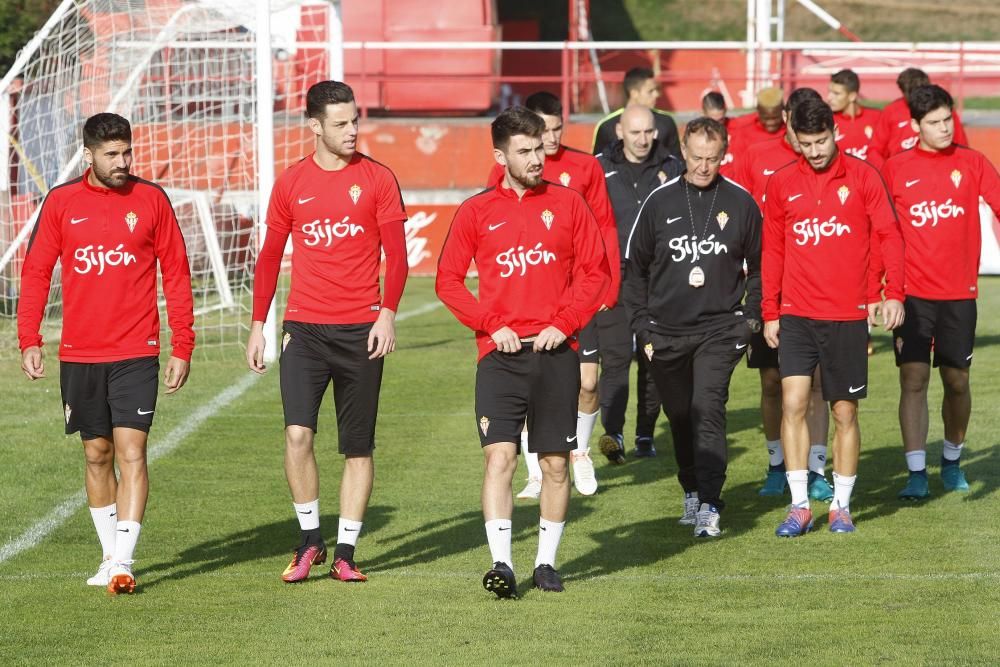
[99, 397]
[840, 349]
[948, 327]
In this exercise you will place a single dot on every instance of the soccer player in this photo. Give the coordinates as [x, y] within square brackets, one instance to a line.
[894, 132]
[760, 162]
[634, 166]
[818, 215]
[543, 273]
[641, 87]
[581, 172]
[855, 123]
[109, 230]
[936, 189]
[684, 289]
[766, 123]
[342, 210]
[713, 105]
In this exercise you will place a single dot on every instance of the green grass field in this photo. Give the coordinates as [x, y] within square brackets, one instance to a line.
[916, 585]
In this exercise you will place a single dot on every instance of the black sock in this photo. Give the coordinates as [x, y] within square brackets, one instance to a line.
[311, 536]
[778, 468]
[344, 552]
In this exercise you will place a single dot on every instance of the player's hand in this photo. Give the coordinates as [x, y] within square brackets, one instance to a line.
[603, 307]
[176, 374]
[32, 364]
[255, 348]
[548, 338]
[771, 333]
[382, 337]
[873, 310]
[506, 340]
[892, 314]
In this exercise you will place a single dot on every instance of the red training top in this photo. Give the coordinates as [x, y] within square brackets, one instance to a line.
[817, 233]
[744, 132]
[540, 259]
[855, 133]
[760, 161]
[936, 195]
[338, 221]
[109, 242]
[894, 134]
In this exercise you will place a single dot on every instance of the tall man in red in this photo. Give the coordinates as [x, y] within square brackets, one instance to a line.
[342, 210]
[543, 272]
[818, 216]
[936, 189]
[109, 230]
[581, 172]
[894, 132]
[855, 123]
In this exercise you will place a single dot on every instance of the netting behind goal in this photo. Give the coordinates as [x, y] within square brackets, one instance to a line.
[184, 74]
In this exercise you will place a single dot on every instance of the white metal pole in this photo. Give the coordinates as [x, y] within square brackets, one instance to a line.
[265, 150]
[751, 87]
[335, 40]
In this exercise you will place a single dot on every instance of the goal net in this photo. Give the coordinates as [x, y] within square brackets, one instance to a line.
[184, 73]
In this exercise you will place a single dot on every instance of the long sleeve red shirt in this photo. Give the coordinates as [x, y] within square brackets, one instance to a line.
[582, 172]
[817, 237]
[338, 221]
[540, 258]
[109, 242]
[936, 195]
[855, 134]
[894, 134]
[759, 162]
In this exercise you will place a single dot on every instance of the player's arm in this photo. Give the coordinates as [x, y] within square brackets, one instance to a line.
[639, 253]
[989, 184]
[751, 253]
[392, 232]
[772, 265]
[266, 270]
[176, 271]
[882, 215]
[44, 248]
[599, 202]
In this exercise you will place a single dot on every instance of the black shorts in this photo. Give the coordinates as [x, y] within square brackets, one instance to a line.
[947, 327]
[760, 354]
[839, 348]
[97, 398]
[590, 343]
[542, 387]
[314, 354]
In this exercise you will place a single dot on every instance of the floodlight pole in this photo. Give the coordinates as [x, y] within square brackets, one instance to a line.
[265, 151]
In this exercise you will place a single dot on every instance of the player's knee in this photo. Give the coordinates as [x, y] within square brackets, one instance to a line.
[554, 467]
[844, 413]
[588, 388]
[99, 454]
[501, 462]
[298, 439]
[914, 379]
[956, 382]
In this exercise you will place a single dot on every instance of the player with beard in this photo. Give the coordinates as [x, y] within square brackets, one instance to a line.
[109, 229]
[684, 289]
[543, 273]
[819, 212]
[855, 123]
[936, 189]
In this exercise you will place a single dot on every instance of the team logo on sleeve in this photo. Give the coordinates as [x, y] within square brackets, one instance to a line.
[956, 177]
[285, 340]
[564, 179]
[868, 131]
[131, 219]
[484, 425]
[648, 349]
[722, 219]
[547, 218]
[68, 411]
[843, 193]
[355, 193]
[899, 345]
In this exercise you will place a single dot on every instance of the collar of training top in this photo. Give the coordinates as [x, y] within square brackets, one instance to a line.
[835, 168]
[509, 193]
[101, 190]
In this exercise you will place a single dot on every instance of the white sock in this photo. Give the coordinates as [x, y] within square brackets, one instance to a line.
[347, 531]
[498, 535]
[307, 514]
[916, 460]
[584, 429]
[951, 451]
[798, 484]
[531, 460]
[817, 459]
[549, 534]
[775, 453]
[127, 534]
[843, 485]
[105, 521]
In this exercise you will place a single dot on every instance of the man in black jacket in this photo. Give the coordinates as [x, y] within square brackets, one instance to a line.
[634, 166]
[642, 88]
[684, 288]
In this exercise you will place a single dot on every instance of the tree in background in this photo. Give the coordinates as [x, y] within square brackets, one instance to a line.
[19, 21]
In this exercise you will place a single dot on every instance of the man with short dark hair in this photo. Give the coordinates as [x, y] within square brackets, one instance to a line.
[342, 210]
[642, 88]
[818, 215]
[543, 273]
[109, 229]
[855, 123]
[936, 189]
[684, 290]
[893, 131]
[713, 105]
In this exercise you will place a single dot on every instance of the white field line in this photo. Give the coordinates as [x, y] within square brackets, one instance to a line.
[58, 516]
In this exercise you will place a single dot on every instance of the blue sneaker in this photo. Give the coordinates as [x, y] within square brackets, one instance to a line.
[840, 521]
[953, 478]
[774, 483]
[819, 488]
[798, 522]
[916, 487]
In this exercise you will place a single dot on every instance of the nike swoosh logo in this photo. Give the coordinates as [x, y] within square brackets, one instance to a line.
[144, 412]
[306, 200]
[351, 530]
[794, 197]
[610, 173]
[503, 529]
[77, 221]
[903, 123]
[969, 357]
[571, 439]
[587, 353]
[910, 184]
[768, 172]
[671, 221]
[123, 530]
[497, 226]
[855, 390]
[309, 512]
[740, 347]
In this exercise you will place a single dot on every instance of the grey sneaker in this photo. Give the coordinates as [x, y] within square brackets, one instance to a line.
[708, 522]
[690, 516]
